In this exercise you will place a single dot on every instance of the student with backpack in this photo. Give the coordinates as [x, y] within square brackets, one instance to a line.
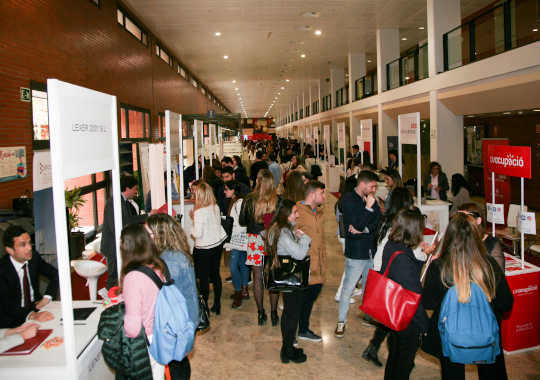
[171, 241]
[465, 278]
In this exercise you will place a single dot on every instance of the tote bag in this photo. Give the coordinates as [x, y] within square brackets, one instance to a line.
[387, 301]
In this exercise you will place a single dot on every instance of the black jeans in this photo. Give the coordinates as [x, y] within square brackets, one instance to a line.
[292, 306]
[379, 335]
[402, 347]
[310, 295]
[180, 370]
[207, 262]
[112, 279]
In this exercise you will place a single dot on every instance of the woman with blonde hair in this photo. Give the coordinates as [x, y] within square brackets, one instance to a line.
[464, 260]
[171, 241]
[256, 214]
[209, 237]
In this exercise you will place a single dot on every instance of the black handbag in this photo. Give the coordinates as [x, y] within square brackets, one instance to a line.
[227, 224]
[25, 205]
[204, 315]
[291, 274]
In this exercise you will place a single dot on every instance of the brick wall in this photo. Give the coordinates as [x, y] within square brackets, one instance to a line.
[520, 131]
[76, 42]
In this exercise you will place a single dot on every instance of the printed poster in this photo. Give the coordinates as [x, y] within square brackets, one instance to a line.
[12, 163]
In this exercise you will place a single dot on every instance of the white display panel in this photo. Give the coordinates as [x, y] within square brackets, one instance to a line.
[366, 133]
[174, 144]
[408, 125]
[341, 145]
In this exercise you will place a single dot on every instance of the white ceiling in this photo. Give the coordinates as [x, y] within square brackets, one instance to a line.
[257, 60]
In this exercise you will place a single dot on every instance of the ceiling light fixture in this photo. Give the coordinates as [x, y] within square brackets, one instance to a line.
[218, 34]
[536, 110]
[279, 93]
[225, 56]
[369, 61]
[286, 80]
[236, 89]
[404, 39]
[303, 56]
[238, 94]
[535, 30]
[283, 88]
[421, 28]
[317, 32]
[507, 113]
[234, 81]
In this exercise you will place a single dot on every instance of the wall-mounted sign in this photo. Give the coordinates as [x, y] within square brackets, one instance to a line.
[25, 94]
[12, 163]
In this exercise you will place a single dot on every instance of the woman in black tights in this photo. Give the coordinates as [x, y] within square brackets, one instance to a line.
[283, 240]
[257, 212]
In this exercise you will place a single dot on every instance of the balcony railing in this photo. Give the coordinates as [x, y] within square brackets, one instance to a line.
[509, 25]
[411, 67]
[327, 103]
[342, 96]
[366, 86]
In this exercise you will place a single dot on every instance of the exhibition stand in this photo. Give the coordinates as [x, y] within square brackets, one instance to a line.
[84, 141]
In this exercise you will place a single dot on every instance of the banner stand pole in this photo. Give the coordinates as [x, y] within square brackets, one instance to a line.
[493, 200]
[521, 216]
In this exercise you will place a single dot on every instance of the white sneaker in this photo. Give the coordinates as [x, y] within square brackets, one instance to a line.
[338, 296]
[357, 292]
[340, 330]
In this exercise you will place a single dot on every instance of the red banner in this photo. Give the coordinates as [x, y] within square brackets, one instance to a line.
[514, 161]
[502, 181]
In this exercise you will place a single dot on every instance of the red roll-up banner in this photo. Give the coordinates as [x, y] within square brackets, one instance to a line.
[514, 161]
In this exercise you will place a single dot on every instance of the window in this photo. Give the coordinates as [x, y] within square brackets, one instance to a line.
[209, 96]
[161, 126]
[182, 72]
[134, 123]
[203, 91]
[166, 57]
[194, 83]
[97, 3]
[215, 101]
[127, 22]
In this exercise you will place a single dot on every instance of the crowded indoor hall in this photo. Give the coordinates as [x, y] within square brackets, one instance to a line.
[302, 189]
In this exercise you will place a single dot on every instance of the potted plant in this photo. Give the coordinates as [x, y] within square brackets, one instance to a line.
[74, 202]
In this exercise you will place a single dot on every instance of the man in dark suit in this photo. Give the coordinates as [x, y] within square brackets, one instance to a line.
[20, 299]
[356, 151]
[130, 187]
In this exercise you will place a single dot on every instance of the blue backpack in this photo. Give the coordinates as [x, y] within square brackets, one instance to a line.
[174, 332]
[469, 331]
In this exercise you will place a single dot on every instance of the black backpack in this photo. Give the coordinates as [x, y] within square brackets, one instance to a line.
[316, 170]
[129, 358]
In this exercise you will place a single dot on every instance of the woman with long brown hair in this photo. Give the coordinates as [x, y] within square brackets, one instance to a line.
[283, 240]
[295, 187]
[256, 214]
[464, 260]
[138, 291]
[209, 237]
[171, 241]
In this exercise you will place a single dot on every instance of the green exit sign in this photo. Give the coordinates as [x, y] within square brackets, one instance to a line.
[25, 94]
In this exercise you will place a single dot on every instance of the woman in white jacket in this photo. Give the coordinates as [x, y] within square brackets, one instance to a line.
[209, 237]
[237, 263]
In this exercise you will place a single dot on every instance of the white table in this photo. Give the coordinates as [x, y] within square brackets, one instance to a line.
[437, 212]
[45, 364]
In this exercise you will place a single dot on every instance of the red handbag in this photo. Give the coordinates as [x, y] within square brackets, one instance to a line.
[387, 301]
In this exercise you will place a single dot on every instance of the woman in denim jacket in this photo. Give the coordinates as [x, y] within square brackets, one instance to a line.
[171, 241]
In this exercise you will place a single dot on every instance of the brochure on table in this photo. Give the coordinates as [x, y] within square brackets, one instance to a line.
[366, 137]
[84, 140]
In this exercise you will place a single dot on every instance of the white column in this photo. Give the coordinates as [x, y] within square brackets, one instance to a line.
[442, 16]
[386, 127]
[324, 89]
[354, 129]
[337, 81]
[387, 51]
[447, 136]
[357, 70]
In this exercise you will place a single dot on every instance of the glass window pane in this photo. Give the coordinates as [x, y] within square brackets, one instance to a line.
[135, 124]
[134, 29]
[86, 214]
[144, 39]
[100, 205]
[120, 17]
[40, 115]
[163, 127]
[123, 133]
[134, 153]
[164, 56]
[79, 182]
[100, 177]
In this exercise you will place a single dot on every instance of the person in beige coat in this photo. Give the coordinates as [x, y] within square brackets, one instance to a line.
[311, 223]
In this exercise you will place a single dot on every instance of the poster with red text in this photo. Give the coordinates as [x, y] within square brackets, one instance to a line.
[502, 181]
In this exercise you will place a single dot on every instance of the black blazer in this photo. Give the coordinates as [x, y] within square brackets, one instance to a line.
[108, 240]
[443, 184]
[433, 295]
[11, 312]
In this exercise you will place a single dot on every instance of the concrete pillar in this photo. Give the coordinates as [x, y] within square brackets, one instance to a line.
[442, 16]
[447, 136]
[386, 127]
[337, 81]
[387, 51]
[357, 70]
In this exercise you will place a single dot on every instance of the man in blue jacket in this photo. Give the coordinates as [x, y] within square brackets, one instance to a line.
[361, 214]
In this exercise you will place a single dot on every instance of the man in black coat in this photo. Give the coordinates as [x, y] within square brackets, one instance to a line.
[256, 167]
[20, 299]
[227, 174]
[130, 187]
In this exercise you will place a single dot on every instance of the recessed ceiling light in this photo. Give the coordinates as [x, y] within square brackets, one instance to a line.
[239, 98]
[273, 101]
[279, 93]
[507, 113]
[470, 116]
[234, 81]
[317, 32]
[225, 56]
[238, 94]
[283, 88]
[421, 28]
[536, 110]
[218, 34]
[303, 56]
[276, 97]
[369, 61]
[404, 39]
[286, 80]
[236, 89]
[535, 30]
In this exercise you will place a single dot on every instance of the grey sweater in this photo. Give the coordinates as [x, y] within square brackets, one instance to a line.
[290, 245]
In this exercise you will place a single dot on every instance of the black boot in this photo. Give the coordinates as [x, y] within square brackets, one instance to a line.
[370, 354]
[295, 355]
[262, 317]
[274, 317]
[216, 309]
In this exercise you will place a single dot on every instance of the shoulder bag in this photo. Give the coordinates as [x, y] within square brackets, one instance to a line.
[291, 274]
[387, 301]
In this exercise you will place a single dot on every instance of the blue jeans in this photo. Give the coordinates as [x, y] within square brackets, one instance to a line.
[353, 270]
[239, 269]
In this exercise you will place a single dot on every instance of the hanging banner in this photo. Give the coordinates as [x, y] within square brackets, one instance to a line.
[42, 173]
[514, 161]
[502, 181]
[12, 163]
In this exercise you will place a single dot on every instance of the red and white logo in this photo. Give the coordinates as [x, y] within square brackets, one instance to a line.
[514, 161]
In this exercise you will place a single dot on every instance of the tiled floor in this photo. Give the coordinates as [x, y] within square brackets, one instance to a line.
[235, 347]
